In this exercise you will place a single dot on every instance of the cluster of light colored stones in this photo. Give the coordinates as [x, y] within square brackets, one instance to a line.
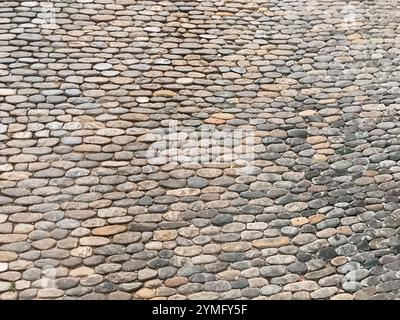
[88, 86]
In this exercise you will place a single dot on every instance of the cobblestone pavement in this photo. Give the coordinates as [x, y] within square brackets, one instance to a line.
[237, 149]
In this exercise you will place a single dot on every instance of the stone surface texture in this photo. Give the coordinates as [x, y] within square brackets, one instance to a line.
[94, 204]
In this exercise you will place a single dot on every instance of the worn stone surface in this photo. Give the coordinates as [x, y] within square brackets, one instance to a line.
[199, 149]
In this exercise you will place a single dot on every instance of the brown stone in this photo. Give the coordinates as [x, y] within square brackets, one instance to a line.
[176, 282]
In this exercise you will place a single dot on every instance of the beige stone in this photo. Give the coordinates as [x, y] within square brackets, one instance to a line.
[50, 293]
[236, 246]
[271, 242]
[229, 275]
[274, 87]
[319, 157]
[6, 256]
[316, 139]
[145, 293]
[122, 80]
[189, 251]
[214, 121]
[44, 244]
[342, 296]
[165, 235]
[10, 238]
[7, 92]
[314, 219]
[338, 261]
[93, 241]
[15, 175]
[108, 230]
[299, 221]
[323, 148]
[296, 206]
[204, 295]
[326, 233]
[209, 173]
[25, 217]
[223, 116]
[277, 133]
[82, 252]
[346, 230]
[306, 113]
[81, 272]
[164, 93]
